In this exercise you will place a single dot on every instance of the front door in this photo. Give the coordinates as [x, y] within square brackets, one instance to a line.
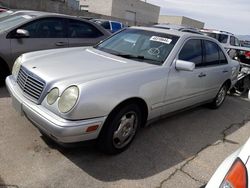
[45, 33]
[186, 88]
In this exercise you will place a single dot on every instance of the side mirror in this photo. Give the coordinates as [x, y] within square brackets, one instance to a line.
[184, 65]
[22, 33]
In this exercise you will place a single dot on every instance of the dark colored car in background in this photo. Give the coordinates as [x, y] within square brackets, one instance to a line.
[112, 26]
[28, 31]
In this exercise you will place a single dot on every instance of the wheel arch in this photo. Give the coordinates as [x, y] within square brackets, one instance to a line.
[228, 83]
[134, 100]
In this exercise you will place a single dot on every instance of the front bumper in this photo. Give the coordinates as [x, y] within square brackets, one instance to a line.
[59, 129]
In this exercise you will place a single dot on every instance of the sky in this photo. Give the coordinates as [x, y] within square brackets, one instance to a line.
[228, 15]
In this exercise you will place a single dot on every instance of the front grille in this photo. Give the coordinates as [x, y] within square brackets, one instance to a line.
[30, 84]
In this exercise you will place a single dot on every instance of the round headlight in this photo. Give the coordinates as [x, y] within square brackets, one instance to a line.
[68, 99]
[17, 66]
[52, 96]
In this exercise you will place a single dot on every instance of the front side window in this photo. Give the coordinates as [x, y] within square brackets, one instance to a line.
[80, 29]
[140, 45]
[223, 59]
[192, 51]
[211, 53]
[46, 28]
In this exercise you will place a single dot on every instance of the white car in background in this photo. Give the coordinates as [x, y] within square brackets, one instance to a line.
[228, 40]
[234, 170]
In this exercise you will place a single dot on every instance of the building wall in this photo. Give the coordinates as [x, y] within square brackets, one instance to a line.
[181, 20]
[73, 4]
[98, 6]
[59, 6]
[192, 22]
[144, 12]
[170, 19]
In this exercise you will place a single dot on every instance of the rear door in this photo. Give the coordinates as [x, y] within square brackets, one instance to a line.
[44, 33]
[81, 33]
[216, 67]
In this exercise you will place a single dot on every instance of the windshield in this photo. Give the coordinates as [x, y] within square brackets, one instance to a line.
[13, 21]
[140, 45]
[222, 38]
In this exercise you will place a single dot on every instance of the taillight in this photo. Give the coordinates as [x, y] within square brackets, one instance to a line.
[236, 176]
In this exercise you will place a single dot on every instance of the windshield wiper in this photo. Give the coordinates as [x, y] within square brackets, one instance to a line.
[129, 56]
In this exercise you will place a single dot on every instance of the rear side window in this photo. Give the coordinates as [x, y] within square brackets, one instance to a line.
[223, 59]
[80, 29]
[192, 51]
[211, 53]
[46, 28]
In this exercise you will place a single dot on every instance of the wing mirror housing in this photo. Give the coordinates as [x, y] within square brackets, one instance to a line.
[184, 65]
[22, 33]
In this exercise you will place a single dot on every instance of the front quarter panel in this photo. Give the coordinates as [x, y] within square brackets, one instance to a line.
[99, 97]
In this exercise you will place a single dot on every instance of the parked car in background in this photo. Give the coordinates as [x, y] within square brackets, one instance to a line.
[112, 26]
[178, 28]
[108, 91]
[234, 170]
[27, 31]
[245, 57]
[228, 40]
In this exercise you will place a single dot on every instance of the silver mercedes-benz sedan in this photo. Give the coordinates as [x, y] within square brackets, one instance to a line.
[107, 92]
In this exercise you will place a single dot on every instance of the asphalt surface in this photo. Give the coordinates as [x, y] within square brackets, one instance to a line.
[180, 151]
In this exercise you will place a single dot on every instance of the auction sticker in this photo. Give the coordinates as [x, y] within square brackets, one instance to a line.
[161, 39]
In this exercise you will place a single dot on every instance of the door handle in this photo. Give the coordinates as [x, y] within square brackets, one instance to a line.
[60, 44]
[202, 75]
[224, 71]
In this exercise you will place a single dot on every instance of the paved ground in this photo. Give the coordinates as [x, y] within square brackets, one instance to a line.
[180, 151]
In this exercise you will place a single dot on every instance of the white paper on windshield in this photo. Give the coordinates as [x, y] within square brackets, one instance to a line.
[161, 39]
[27, 17]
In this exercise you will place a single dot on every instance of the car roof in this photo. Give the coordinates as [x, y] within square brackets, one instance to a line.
[172, 26]
[34, 13]
[215, 31]
[167, 31]
[103, 20]
[183, 28]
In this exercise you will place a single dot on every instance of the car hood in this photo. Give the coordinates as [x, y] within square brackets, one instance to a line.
[78, 65]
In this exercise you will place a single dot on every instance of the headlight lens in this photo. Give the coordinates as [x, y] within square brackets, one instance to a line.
[52, 96]
[17, 66]
[68, 99]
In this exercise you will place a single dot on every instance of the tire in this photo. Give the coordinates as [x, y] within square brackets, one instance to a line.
[220, 97]
[120, 129]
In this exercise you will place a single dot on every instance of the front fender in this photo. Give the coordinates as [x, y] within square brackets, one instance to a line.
[99, 97]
